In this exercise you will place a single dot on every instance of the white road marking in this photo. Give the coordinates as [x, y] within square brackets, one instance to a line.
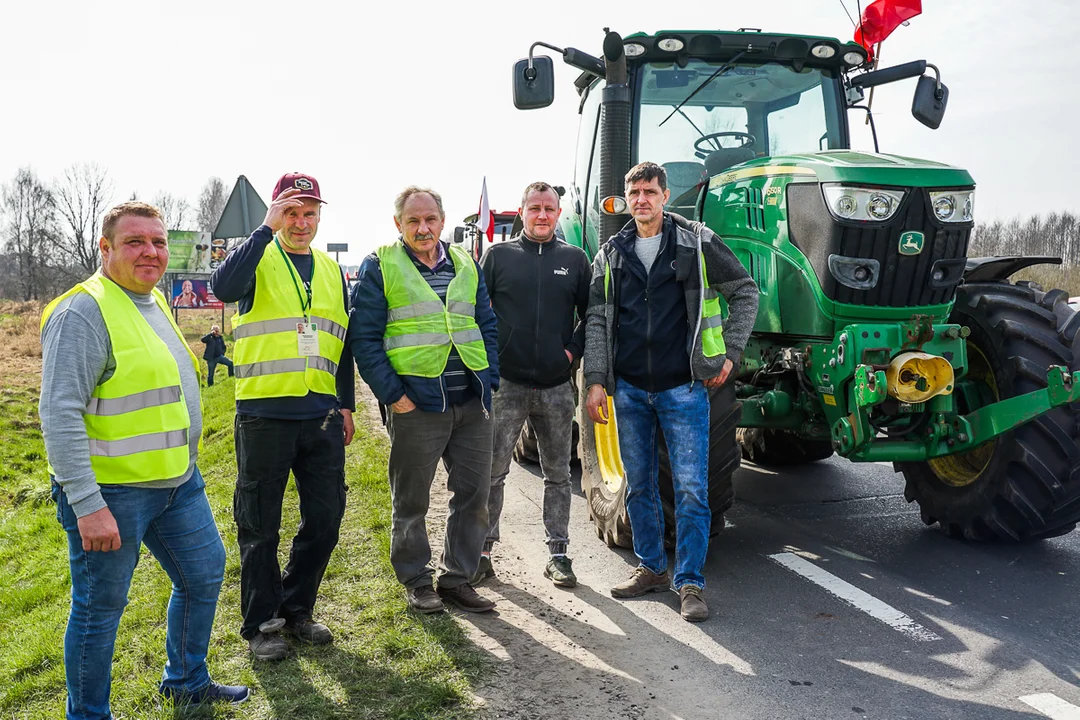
[858, 598]
[1052, 706]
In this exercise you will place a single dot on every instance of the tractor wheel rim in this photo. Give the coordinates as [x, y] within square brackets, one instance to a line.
[963, 469]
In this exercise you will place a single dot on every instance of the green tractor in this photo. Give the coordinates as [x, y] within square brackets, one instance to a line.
[877, 337]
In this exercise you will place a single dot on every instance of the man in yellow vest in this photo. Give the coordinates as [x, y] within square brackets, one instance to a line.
[425, 339]
[294, 402]
[121, 416]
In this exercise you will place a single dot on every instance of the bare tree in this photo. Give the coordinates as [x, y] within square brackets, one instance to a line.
[212, 201]
[31, 233]
[174, 208]
[82, 195]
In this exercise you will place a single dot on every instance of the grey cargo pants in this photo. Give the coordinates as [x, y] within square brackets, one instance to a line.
[552, 413]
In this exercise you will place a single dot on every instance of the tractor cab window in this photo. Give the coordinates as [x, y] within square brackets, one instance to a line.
[749, 111]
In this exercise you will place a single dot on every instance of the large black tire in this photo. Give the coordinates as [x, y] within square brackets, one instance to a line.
[1025, 484]
[607, 505]
[763, 446]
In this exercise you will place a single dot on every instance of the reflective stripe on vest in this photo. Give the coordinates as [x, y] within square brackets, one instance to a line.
[712, 322]
[137, 420]
[420, 328]
[266, 355]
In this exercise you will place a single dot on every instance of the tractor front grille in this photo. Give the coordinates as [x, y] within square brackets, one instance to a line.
[904, 280]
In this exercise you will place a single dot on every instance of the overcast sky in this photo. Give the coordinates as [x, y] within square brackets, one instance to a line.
[372, 97]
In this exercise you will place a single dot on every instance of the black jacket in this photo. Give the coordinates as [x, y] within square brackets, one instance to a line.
[535, 289]
[215, 346]
[650, 344]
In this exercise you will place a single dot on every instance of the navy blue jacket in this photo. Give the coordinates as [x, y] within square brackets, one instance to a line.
[234, 281]
[651, 340]
[367, 325]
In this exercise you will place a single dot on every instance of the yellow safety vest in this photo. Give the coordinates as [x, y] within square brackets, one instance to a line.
[137, 420]
[266, 353]
[420, 328]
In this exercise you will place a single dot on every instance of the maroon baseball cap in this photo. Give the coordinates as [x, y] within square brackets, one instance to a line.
[308, 186]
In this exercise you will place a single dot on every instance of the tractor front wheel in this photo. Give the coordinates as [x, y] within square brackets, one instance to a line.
[1024, 484]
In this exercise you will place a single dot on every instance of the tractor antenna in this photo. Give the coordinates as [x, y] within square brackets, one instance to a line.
[847, 13]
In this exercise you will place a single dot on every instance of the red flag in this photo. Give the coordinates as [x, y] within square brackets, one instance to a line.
[486, 218]
[881, 17]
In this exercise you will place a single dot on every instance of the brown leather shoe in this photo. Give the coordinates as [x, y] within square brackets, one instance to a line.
[642, 581]
[692, 605]
[466, 598]
[424, 600]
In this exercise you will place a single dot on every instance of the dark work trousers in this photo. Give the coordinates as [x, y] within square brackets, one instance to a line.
[211, 365]
[461, 437]
[266, 450]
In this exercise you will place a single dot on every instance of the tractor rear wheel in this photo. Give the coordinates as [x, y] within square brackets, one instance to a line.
[1024, 484]
[764, 446]
[604, 484]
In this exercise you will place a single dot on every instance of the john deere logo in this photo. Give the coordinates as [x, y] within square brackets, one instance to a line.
[303, 184]
[911, 243]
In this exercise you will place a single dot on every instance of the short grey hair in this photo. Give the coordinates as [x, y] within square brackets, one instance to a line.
[214, 327]
[404, 195]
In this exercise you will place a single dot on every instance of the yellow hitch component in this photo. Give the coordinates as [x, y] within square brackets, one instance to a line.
[607, 448]
[915, 377]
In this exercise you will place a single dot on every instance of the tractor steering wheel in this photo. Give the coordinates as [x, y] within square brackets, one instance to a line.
[702, 151]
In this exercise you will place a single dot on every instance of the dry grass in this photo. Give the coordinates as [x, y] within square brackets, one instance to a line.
[20, 345]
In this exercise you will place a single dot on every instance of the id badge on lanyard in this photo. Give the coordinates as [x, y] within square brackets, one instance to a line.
[307, 339]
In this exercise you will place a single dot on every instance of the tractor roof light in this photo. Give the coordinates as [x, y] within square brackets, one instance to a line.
[823, 51]
[633, 49]
[670, 44]
[953, 206]
[854, 58]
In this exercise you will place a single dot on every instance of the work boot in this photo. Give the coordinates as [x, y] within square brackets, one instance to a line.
[642, 581]
[268, 646]
[466, 598]
[560, 572]
[483, 571]
[308, 631]
[693, 607]
[424, 600]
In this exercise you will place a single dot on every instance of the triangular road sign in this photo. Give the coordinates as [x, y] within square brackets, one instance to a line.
[243, 213]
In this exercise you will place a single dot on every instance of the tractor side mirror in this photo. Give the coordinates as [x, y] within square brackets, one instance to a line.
[928, 105]
[534, 87]
[459, 235]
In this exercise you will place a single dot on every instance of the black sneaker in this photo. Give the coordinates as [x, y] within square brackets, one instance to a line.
[484, 570]
[232, 694]
[560, 572]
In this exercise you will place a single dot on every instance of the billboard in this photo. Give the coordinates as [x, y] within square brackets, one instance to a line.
[194, 293]
[189, 251]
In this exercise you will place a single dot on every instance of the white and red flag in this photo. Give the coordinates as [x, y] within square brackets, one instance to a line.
[486, 218]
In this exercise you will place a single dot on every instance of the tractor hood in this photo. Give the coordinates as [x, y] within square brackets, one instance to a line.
[850, 166]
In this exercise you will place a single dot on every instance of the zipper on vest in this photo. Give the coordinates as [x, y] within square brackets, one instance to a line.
[648, 333]
[539, 284]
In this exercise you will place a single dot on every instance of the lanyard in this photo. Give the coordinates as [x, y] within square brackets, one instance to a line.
[296, 280]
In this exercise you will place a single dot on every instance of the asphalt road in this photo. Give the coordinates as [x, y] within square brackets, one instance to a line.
[830, 599]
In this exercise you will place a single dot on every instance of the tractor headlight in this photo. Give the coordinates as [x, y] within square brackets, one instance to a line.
[847, 202]
[953, 206]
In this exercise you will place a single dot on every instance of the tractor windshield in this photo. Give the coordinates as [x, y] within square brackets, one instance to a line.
[751, 110]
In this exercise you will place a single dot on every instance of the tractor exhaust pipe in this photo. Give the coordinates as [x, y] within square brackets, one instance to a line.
[614, 132]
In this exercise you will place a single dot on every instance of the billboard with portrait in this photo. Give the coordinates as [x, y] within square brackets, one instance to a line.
[194, 293]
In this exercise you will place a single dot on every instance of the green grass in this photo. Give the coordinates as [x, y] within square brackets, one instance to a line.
[385, 662]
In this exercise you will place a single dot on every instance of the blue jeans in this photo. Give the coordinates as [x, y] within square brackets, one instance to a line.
[177, 526]
[683, 415]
